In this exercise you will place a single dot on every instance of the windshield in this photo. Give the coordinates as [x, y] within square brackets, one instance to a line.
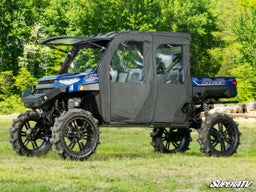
[86, 60]
[83, 54]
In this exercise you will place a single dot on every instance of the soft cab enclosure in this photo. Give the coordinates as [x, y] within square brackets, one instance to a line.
[151, 81]
[124, 78]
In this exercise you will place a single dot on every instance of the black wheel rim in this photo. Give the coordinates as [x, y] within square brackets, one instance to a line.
[173, 139]
[221, 138]
[32, 135]
[78, 135]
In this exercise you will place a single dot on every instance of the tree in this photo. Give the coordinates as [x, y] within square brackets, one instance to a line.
[222, 32]
[38, 59]
[15, 21]
[236, 53]
[92, 17]
[196, 18]
[54, 18]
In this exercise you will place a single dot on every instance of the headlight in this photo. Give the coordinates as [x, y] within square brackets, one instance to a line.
[69, 81]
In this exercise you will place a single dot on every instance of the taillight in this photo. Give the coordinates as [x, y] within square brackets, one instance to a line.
[234, 83]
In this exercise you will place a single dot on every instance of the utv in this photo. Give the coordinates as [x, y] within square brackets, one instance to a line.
[119, 79]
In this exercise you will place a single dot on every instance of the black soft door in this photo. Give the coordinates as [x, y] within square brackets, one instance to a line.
[131, 81]
[171, 58]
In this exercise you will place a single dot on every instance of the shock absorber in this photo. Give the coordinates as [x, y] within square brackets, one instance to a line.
[206, 109]
[74, 102]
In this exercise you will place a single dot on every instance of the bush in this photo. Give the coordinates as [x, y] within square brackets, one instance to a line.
[24, 80]
[12, 104]
[245, 75]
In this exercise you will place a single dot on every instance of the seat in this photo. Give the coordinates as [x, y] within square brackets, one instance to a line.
[113, 75]
[135, 75]
[122, 77]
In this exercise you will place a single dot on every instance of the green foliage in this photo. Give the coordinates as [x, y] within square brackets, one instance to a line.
[92, 17]
[40, 60]
[222, 31]
[11, 89]
[227, 53]
[244, 74]
[244, 29]
[15, 21]
[236, 54]
[6, 84]
[12, 104]
[24, 80]
[196, 18]
[245, 33]
[86, 17]
[54, 17]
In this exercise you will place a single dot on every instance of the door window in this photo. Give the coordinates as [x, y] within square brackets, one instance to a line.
[127, 65]
[169, 64]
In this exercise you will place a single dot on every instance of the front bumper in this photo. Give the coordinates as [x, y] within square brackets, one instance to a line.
[37, 100]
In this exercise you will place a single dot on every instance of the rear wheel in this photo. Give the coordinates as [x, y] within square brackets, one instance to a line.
[170, 140]
[219, 135]
[75, 135]
[29, 135]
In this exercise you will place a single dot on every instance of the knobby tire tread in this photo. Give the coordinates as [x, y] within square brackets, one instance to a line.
[57, 134]
[204, 131]
[15, 135]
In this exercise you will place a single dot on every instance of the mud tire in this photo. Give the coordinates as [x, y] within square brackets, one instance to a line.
[28, 136]
[75, 135]
[219, 135]
[170, 140]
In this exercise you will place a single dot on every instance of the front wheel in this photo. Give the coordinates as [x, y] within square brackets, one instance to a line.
[219, 135]
[29, 135]
[75, 135]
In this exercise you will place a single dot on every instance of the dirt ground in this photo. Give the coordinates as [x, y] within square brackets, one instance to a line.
[248, 117]
[10, 116]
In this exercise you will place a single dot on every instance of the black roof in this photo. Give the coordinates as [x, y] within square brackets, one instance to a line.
[72, 40]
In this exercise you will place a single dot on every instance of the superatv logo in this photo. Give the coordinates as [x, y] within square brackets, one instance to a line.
[230, 184]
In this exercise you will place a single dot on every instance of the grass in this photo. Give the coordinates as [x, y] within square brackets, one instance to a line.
[125, 161]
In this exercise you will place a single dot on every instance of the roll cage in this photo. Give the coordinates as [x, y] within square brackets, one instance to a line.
[76, 43]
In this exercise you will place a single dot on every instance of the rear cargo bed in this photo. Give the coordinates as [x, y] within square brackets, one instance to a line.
[214, 87]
